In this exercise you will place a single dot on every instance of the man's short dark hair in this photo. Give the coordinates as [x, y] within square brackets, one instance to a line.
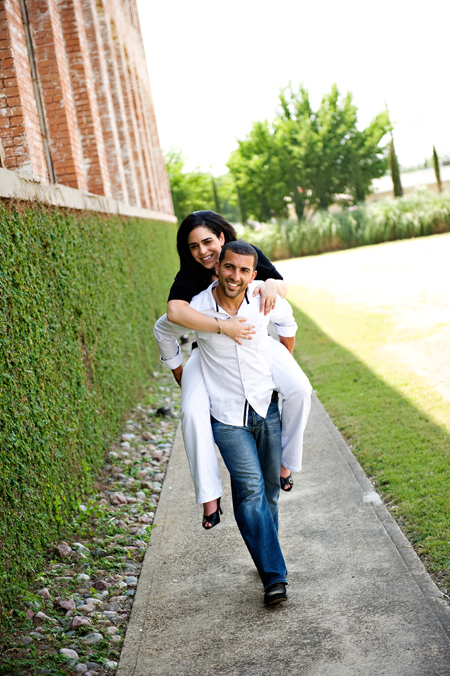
[242, 249]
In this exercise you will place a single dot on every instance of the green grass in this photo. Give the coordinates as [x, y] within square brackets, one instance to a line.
[396, 425]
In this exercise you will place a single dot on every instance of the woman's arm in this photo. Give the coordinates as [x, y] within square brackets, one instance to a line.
[181, 313]
[268, 291]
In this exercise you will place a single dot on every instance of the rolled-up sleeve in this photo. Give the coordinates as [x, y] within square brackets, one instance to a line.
[283, 320]
[166, 334]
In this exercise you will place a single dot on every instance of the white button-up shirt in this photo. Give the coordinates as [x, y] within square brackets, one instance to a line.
[238, 375]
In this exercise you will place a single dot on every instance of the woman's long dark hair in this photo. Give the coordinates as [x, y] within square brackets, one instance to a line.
[208, 219]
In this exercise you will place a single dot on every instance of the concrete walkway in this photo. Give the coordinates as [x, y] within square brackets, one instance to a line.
[360, 602]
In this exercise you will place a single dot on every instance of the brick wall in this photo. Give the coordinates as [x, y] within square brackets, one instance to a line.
[87, 119]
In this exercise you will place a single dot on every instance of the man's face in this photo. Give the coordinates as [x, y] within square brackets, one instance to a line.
[235, 273]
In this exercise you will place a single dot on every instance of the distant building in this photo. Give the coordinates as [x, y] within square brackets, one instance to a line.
[411, 180]
[75, 101]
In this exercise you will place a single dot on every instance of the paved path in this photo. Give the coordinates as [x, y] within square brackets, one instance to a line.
[360, 602]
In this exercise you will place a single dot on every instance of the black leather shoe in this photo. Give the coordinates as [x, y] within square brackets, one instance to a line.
[286, 483]
[213, 519]
[276, 593]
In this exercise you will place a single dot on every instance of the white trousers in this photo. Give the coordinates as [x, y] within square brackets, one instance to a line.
[295, 390]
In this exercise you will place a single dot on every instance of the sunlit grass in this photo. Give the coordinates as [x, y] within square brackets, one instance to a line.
[397, 425]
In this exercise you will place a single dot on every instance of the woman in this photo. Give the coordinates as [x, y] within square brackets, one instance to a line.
[199, 242]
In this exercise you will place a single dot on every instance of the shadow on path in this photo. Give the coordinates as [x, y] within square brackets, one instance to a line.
[360, 602]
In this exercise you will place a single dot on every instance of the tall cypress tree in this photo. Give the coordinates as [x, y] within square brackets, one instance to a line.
[216, 196]
[395, 171]
[437, 169]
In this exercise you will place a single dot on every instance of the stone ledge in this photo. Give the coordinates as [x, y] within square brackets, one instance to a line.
[14, 186]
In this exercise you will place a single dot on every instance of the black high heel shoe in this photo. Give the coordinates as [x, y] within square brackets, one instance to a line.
[213, 518]
[286, 483]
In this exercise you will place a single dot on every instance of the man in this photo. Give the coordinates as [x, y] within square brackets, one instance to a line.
[244, 407]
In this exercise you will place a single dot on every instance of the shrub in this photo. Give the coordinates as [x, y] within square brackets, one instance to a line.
[79, 297]
[414, 215]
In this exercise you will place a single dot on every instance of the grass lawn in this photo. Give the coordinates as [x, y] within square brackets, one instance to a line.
[397, 425]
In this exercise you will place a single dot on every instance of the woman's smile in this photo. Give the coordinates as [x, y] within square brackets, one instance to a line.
[204, 246]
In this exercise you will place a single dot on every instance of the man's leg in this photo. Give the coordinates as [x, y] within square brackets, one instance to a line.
[252, 511]
[267, 434]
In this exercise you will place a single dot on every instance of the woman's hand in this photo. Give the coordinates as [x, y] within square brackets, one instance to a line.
[268, 291]
[236, 328]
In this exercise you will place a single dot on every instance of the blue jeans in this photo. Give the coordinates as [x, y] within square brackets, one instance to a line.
[252, 455]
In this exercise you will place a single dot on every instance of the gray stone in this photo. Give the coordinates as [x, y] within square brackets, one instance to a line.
[36, 634]
[141, 495]
[110, 664]
[63, 551]
[114, 606]
[67, 652]
[81, 548]
[44, 593]
[82, 577]
[42, 617]
[92, 639]
[92, 665]
[78, 622]
[26, 640]
[80, 668]
[99, 553]
[116, 499]
[132, 579]
[66, 604]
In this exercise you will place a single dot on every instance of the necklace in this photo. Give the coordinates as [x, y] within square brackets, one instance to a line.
[229, 312]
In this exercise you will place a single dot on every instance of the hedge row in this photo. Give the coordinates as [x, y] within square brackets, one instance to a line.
[414, 215]
[79, 294]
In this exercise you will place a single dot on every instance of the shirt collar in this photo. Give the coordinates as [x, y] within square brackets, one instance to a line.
[206, 300]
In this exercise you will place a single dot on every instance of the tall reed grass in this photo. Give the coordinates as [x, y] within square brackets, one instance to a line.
[415, 215]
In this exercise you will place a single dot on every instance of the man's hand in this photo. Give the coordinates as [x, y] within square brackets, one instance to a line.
[177, 373]
[288, 343]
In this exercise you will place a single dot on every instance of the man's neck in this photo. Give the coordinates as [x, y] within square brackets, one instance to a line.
[231, 305]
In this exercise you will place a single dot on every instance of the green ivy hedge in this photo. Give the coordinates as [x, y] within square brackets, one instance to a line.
[79, 294]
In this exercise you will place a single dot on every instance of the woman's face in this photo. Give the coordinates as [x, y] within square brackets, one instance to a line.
[205, 247]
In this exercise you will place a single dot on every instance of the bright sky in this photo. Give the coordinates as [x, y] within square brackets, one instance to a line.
[215, 67]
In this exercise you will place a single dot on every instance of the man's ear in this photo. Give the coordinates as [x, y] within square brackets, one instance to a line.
[253, 275]
[216, 267]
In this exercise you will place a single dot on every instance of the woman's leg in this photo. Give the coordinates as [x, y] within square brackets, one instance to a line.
[295, 389]
[197, 433]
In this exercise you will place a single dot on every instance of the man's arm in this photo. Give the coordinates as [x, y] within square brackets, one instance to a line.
[285, 325]
[288, 343]
[166, 334]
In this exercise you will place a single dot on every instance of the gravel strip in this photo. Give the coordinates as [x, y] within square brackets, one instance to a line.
[74, 618]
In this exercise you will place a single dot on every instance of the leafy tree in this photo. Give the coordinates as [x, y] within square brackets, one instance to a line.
[191, 191]
[255, 167]
[437, 169]
[311, 157]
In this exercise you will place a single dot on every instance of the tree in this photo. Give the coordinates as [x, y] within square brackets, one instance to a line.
[255, 167]
[437, 169]
[191, 191]
[395, 171]
[215, 195]
[311, 157]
